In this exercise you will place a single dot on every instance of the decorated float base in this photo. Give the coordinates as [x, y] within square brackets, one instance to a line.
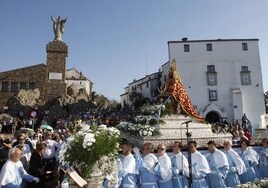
[174, 129]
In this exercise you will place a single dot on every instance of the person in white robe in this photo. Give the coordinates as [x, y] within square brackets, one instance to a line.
[146, 165]
[128, 173]
[200, 167]
[250, 159]
[180, 167]
[218, 164]
[13, 172]
[236, 165]
[163, 169]
[264, 159]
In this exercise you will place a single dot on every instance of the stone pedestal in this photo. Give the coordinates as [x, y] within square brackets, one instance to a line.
[57, 53]
[175, 130]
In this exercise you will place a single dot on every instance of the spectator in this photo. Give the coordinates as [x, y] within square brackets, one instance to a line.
[247, 134]
[36, 166]
[5, 145]
[13, 172]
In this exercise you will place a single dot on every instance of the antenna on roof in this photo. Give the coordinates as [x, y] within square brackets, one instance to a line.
[146, 59]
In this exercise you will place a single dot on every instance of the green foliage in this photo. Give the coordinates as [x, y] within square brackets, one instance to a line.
[102, 141]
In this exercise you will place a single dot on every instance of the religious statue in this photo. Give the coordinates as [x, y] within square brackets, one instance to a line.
[180, 101]
[58, 27]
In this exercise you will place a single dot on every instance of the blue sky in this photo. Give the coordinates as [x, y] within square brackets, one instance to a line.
[113, 42]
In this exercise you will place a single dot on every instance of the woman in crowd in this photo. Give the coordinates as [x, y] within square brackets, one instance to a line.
[36, 166]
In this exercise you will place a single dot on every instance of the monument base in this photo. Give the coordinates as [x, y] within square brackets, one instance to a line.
[174, 129]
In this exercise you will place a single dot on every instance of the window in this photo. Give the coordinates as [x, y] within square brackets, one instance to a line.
[23, 85]
[244, 68]
[213, 95]
[147, 84]
[140, 87]
[186, 48]
[212, 79]
[211, 75]
[165, 78]
[32, 86]
[210, 68]
[209, 47]
[14, 86]
[245, 76]
[4, 86]
[244, 46]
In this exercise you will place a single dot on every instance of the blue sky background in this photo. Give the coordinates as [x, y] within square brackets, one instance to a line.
[113, 42]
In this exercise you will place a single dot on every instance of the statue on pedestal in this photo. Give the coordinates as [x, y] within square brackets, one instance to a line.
[180, 101]
[58, 27]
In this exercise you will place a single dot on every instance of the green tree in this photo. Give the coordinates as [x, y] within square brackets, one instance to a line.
[136, 99]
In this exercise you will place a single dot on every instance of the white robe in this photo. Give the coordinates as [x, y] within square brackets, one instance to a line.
[129, 165]
[149, 162]
[182, 163]
[200, 163]
[220, 158]
[13, 173]
[165, 163]
[239, 163]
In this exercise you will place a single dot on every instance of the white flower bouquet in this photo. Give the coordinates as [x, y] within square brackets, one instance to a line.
[91, 147]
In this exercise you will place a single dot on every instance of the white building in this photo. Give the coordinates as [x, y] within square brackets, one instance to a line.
[73, 76]
[146, 86]
[222, 77]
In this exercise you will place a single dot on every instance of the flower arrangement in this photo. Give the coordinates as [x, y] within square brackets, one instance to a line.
[91, 149]
[263, 183]
[145, 124]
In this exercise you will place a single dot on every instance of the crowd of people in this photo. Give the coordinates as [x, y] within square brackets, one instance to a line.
[30, 159]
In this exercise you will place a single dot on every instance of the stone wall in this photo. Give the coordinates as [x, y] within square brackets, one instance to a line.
[34, 74]
[39, 76]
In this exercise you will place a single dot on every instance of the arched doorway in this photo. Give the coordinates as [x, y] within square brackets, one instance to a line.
[212, 117]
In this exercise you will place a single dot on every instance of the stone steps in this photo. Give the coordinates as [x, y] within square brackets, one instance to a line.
[258, 135]
[174, 129]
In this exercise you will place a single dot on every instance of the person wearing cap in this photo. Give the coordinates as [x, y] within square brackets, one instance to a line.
[163, 169]
[218, 164]
[146, 165]
[180, 166]
[13, 172]
[236, 165]
[200, 167]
